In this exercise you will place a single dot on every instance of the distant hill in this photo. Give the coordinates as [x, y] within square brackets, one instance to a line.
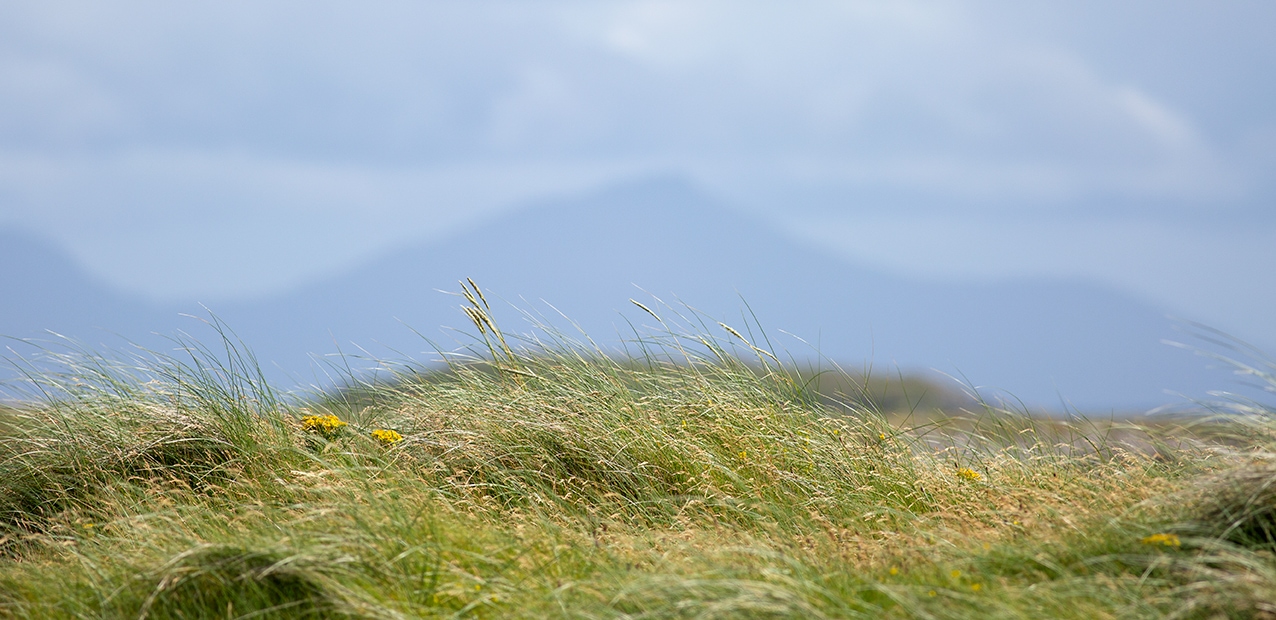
[1040, 340]
[41, 289]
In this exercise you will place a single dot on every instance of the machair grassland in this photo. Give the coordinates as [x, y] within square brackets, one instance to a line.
[697, 478]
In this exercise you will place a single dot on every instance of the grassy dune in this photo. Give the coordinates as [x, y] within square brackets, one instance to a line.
[551, 481]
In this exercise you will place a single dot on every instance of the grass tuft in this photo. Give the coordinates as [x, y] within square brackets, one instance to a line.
[221, 581]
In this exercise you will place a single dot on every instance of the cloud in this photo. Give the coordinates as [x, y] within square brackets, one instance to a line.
[1166, 125]
[155, 112]
[48, 104]
[925, 84]
[908, 95]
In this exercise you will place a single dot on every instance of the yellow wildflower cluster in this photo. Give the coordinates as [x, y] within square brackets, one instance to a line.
[968, 473]
[386, 437]
[323, 424]
[1169, 540]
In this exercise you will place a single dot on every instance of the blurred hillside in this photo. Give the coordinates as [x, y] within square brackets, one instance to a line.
[575, 263]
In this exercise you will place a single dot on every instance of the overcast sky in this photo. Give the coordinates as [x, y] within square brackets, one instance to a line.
[225, 149]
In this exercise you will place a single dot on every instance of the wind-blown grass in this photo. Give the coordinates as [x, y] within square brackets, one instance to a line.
[542, 478]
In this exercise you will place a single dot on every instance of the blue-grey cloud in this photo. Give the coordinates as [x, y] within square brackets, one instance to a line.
[935, 94]
[151, 137]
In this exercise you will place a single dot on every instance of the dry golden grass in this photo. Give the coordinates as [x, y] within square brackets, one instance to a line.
[556, 482]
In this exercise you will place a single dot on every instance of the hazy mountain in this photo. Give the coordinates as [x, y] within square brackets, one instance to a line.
[1040, 340]
[42, 289]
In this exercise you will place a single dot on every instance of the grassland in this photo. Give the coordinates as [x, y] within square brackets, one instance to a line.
[548, 480]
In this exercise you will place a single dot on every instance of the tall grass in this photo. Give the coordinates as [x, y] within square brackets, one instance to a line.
[696, 476]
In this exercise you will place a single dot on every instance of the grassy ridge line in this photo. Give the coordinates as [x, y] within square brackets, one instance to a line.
[560, 483]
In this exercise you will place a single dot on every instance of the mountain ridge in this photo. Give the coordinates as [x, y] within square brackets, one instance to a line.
[1042, 340]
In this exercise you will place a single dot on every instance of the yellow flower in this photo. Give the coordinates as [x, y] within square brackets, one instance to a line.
[976, 587]
[386, 437]
[1169, 540]
[968, 473]
[744, 454]
[326, 425]
[956, 574]
[881, 436]
[932, 593]
[894, 571]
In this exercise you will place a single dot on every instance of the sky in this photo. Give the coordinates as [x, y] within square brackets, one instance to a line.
[227, 150]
